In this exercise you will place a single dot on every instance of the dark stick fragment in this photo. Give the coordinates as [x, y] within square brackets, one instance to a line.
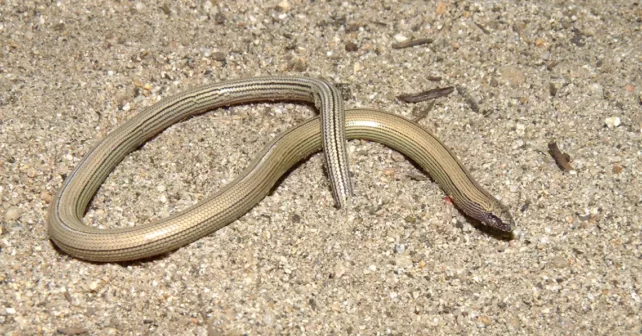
[411, 43]
[562, 159]
[425, 95]
[467, 97]
[482, 28]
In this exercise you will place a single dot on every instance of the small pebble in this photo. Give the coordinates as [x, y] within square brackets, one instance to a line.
[207, 6]
[12, 214]
[218, 56]
[339, 270]
[617, 169]
[268, 318]
[219, 18]
[72, 331]
[404, 262]
[32, 173]
[398, 157]
[410, 219]
[297, 64]
[10, 311]
[518, 144]
[351, 46]
[559, 262]
[514, 322]
[513, 75]
[93, 286]
[45, 196]
[596, 89]
[283, 6]
[389, 172]
[612, 122]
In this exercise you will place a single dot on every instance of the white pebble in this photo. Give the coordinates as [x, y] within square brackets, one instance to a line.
[93, 286]
[284, 5]
[518, 144]
[339, 270]
[612, 122]
[400, 38]
[268, 318]
[356, 68]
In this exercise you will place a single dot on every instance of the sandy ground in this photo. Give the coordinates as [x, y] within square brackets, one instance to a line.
[405, 261]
